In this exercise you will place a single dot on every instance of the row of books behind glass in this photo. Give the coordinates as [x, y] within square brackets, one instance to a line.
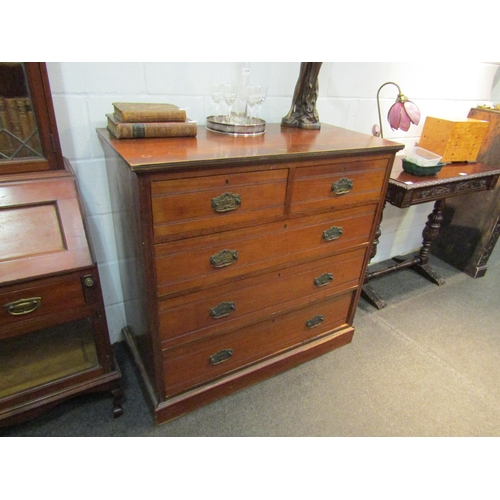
[18, 129]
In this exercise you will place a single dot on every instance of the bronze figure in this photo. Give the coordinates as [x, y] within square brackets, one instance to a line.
[303, 113]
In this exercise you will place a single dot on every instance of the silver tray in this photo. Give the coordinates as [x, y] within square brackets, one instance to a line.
[220, 125]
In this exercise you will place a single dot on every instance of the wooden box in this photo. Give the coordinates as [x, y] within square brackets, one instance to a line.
[453, 140]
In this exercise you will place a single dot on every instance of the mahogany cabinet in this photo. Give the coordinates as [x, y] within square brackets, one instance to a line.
[242, 256]
[54, 342]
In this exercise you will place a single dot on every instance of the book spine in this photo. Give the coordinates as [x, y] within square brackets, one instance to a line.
[35, 141]
[14, 121]
[145, 130]
[174, 115]
[6, 145]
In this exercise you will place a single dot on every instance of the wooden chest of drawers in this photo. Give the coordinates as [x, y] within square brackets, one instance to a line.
[241, 256]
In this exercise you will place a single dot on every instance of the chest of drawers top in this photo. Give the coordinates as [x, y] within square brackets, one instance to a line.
[276, 145]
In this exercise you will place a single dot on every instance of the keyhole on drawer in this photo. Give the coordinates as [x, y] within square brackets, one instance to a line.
[284, 227]
[227, 182]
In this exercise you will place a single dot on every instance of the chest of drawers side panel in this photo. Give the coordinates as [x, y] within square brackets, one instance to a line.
[130, 202]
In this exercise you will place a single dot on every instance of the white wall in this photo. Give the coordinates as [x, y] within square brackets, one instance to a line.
[83, 93]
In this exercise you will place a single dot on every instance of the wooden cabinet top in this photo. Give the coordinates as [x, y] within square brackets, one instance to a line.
[277, 144]
[454, 172]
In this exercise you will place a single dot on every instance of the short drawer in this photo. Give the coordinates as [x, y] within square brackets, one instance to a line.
[197, 362]
[337, 185]
[210, 260]
[205, 203]
[32, 301]
[219, 309]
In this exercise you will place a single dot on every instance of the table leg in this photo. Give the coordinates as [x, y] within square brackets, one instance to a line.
[420, 263]
[371, 296]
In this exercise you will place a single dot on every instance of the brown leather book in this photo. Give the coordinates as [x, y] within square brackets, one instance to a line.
[123, 130]
[134, 112]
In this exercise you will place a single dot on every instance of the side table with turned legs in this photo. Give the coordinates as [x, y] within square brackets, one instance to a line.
[405, 190]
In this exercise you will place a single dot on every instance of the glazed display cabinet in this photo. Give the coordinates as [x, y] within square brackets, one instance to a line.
[54, 341]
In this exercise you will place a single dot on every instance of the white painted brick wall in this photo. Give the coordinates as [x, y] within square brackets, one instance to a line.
[83, 93]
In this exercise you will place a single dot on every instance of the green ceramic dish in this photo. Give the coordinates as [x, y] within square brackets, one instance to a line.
[414, 169]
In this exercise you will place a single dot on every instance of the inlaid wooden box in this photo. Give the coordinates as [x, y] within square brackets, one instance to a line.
[453, 140]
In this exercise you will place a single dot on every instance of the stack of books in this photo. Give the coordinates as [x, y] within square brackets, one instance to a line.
[144, 120]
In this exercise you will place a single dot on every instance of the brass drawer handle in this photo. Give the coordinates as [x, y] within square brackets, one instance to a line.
[226, 202]
[222, 310]
[334, 233]
[220, 357]
[324, 279]
[23, 306]
[342, 186]
[314, 322]
[224, 258]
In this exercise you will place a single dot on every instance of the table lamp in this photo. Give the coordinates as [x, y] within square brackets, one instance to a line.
[401, 115]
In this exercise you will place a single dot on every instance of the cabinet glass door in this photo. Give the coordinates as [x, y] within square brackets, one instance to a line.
[19, 136]
[46, 356]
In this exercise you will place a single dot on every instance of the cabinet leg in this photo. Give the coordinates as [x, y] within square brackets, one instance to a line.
[117, 402]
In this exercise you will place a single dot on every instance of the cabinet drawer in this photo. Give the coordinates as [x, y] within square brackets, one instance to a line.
[197, 362]
[198, 262]
[204, 203]
[33, 301]
[186, 318]
[328, 186]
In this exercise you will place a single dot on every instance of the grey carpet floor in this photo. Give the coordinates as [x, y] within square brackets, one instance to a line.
[426, 365]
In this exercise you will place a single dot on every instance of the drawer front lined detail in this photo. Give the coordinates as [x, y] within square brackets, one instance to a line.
[198, 204]
[218, 309]
[324, 187]
[34, 301]
[188, 264]
[193, 363]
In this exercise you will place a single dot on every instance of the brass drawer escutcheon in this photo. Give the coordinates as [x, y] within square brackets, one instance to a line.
[220, 357]
[316, 321]
[222, 310]
[334, 233]
[324, 279]
[224, 258]
[342, 186]
[226, 202]
[23, 306]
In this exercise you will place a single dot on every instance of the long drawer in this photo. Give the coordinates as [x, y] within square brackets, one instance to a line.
[205, 203]
[32, 301]
[197, 362]
[337, 185]
[199, 262]
[219, 309]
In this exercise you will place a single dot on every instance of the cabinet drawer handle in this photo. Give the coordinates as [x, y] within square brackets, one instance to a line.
[224, 258]
[324, 279]
[314, 322]
[334, 233]
[222, 310]
[226, 202]
[220, 357]
[342, 186]
[23, 306]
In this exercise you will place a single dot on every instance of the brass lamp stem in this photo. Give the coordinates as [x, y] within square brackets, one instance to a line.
[378, 104]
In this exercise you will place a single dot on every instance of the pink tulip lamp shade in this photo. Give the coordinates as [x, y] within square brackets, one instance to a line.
[401, 115]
